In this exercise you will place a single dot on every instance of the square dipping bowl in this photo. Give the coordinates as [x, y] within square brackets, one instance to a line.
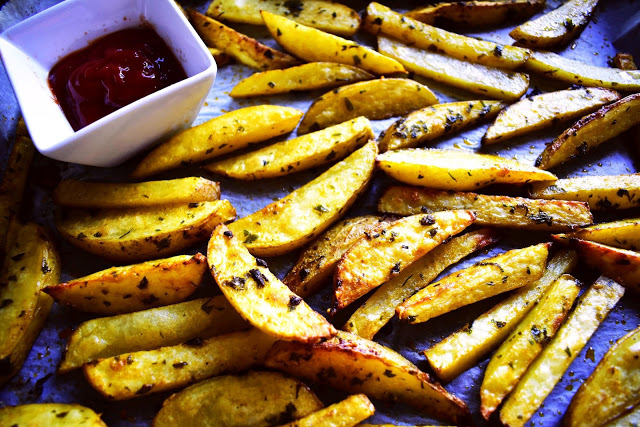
[31, 48]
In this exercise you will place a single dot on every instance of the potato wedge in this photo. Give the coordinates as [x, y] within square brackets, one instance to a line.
[143, 233]
[258, 295]
[381, 19]
[467, 346]
[432, 122]
[476, 78]
[82, 194]
[613, 386]
[542, 111]
[591, 131]
[219, 56]
[297, 218]
[374, 99]
[623, 234]
[347, 412]
[356, 365]
[459, 170]
[314, 45]
[220, 135]
[492, 276]
[371, 316]
[628, 419]
[624, 61]
[513, 357]
[547, 369]
[253, 399]
[50, 414]
[297, 154]
[376, 258]
[140, 373]
[496, 211]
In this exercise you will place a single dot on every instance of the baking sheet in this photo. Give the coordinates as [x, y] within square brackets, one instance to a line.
[37, 381]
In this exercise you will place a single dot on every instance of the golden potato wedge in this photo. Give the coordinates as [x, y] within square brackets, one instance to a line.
[50, 414]
[82, 194]
[623, 234]
[624, 61]
[142, 233]
[371, 316]
[220, 135]
[219, 56]
[547, 369]
[376, 258]
[542, 111]
[374, 99]
[432, 122]
[492, 276]
[459, 170]
[356, 365]
[140, 373]
[591, 131]
[253, 399]
[347, 412]
[467, 346]
[297, 154]
[613, 386]
[476, 78]
[297, 218]
[381, 19]
[496, 211]
[513, 357]
[314, 45]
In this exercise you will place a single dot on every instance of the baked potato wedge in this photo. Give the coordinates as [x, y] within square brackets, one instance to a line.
[50, 414]
[297, 218]
[623, 234]
[219, 56]
[624, 61]
[347, 412]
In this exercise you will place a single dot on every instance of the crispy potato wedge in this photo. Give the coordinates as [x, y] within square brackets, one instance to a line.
[459, 170]
[467, 346]
[82, 194]
[297, 218]
[624, 61]
[547, 369]
[374, 99]
[50, 414]
[432, 122]
[219, 56]
[623, 234]
[371, 316]
[492, 276]
[381, 19]
[253, 399]
[347, 412]
[314, 75]
[142, 233]
[513, 357]
[258, 295]
[356, 365]
[556, 67]
[542, 111]
[140, 373]
[317, 262]
[221, 135]
[297, 154]
[476, 78]
[243, 48]
[314, 45]
[613, 386]
[376, 258]
[496, 211]
[591, 131]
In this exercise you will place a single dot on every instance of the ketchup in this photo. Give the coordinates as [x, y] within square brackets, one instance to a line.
[112, 72]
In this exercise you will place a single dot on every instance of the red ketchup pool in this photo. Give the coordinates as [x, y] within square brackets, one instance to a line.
[111, 72]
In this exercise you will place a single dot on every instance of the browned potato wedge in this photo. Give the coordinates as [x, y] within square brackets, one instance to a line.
[315, 75]
[347, 412]
[496, 211]
[220, 135]
[356, 365]
[297, 218]
[374, 99]
[381, 19]
[591, 131]
[459, 170]
[432, 122]
[143, 233]
[314, 45]
[254, 399]
[623, 234]
[542, 111]
[547, 369]
[50, 414]
[219, 56]
[376, 258]
[624, 61]
[492, 276]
